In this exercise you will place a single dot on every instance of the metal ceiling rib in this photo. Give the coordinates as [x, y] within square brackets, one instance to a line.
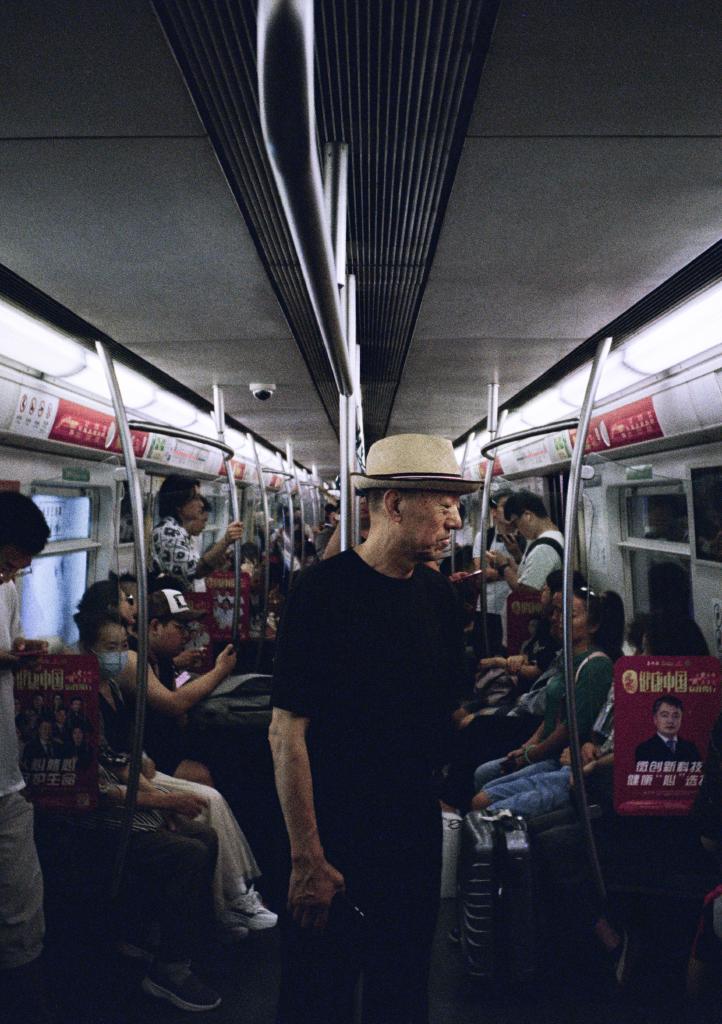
[397, 82]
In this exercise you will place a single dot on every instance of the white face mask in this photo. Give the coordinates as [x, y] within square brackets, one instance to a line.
[111, 663]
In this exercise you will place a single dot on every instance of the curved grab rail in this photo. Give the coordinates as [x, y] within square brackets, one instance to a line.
[523, 435]
[288, 121]
[570, 535]
[141, 572]
[182, 435]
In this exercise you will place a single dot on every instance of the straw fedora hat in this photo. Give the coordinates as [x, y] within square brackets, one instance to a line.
[413, 462]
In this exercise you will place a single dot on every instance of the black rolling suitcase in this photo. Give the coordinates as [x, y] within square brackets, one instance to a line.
[497, 926]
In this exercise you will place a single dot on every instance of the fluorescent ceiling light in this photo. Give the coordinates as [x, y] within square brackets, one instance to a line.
[173, 411]
[514, 423]
[136, 391]
[545, 408]
[615, 377]
[32, 342]
[686, 331]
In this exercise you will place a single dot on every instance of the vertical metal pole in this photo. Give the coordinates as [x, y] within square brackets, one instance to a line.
[219, 413]
[141, 571]
[352, 405]
[493, 426]
[267, 560]
[335, 187]
[294, 470]
[359, 439]
[570, 536]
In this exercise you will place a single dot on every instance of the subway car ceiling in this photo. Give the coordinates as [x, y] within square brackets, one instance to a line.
[521, 176]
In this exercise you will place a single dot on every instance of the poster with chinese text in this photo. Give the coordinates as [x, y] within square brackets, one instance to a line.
[56, 718]
[664, 711]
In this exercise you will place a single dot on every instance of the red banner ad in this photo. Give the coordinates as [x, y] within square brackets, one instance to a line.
[629, 424]
[78, 424]
[523, 610]
[664, 711]
[56, 717]
[217, 604]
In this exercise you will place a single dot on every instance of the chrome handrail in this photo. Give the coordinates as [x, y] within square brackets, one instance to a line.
[522, 435]
[570, 534]
[219, 414]
[285, 47]
[141, 572]
[182, 435]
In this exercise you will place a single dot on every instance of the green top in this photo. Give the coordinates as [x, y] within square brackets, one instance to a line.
[592, 688]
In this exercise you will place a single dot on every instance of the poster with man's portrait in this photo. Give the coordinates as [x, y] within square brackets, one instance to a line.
[664, 711]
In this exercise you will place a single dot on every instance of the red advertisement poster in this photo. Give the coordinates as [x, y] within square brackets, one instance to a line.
[202, 637]
[219, 587]
[78, 424]
[664, 711]
[523, 609]
[56, 715]
[629, 424]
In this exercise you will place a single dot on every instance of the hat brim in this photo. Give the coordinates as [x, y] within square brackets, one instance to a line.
[188, 616]
[444, 484]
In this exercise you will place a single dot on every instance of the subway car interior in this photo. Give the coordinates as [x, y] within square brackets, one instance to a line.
[243, 240]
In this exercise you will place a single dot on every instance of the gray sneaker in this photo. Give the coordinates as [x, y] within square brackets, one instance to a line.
[181, 988]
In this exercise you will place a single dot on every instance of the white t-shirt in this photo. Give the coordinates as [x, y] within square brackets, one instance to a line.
[536, 564]
[11, 779]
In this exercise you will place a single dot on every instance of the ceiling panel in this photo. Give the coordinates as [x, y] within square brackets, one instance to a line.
[634, 67]
[590, 175]
[114, 204]
[80, 68]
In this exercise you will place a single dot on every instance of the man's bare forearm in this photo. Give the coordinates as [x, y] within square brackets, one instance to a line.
[294, 785]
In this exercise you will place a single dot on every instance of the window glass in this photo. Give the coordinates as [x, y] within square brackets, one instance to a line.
[661, 582]
[655, 515]
[67, 516]
[50, 596]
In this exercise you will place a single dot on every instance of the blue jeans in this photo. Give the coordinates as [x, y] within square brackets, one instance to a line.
[537, 789]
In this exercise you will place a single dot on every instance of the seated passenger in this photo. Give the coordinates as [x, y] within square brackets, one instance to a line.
[597, 630]
[238, 906]
[180, 505]
[166, 705]
[484, 737]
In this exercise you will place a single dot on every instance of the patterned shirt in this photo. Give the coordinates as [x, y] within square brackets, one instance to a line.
[173, 551]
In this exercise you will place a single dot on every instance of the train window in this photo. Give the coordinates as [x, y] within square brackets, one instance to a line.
[656, 514]
[68, 516]
[50, 592]
[707, 500]
[660, 581]
[50, 595]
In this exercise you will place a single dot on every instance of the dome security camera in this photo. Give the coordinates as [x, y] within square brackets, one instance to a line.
[262, 391]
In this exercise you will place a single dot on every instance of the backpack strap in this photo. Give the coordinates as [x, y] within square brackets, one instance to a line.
[594, 654]
[550, 543]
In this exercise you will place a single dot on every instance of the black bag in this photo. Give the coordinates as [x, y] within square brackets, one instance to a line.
[495, 898]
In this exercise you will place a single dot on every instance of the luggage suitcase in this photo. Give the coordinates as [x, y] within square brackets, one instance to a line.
[495, 898]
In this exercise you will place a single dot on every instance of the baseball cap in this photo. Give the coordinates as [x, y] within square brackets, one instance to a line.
[171, 604]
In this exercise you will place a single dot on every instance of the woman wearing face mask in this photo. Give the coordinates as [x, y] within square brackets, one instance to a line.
[238, 906]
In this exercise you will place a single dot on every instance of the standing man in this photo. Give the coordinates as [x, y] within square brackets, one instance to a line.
[526, 512]
[499, 539]
[369, 662]
[23, 533]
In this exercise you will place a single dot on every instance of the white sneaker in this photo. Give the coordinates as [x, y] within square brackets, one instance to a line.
[249, 910]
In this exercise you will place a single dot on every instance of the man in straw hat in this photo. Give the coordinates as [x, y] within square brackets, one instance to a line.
[369, 662]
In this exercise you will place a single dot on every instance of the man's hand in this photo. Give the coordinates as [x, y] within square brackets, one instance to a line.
[313, 885]
[23, 650]
[515, 661]
[192, 659]
[226, 660]
[234, 532]
[187, 804]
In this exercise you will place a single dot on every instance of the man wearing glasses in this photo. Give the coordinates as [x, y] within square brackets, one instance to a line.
[525, 512]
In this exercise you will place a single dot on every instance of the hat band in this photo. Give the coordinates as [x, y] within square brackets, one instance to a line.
[410, 476]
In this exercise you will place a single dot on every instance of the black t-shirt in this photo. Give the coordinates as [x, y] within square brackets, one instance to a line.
[376, 664]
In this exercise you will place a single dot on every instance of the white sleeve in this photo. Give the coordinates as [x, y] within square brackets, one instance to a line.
[476, 550]
[541, 561]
